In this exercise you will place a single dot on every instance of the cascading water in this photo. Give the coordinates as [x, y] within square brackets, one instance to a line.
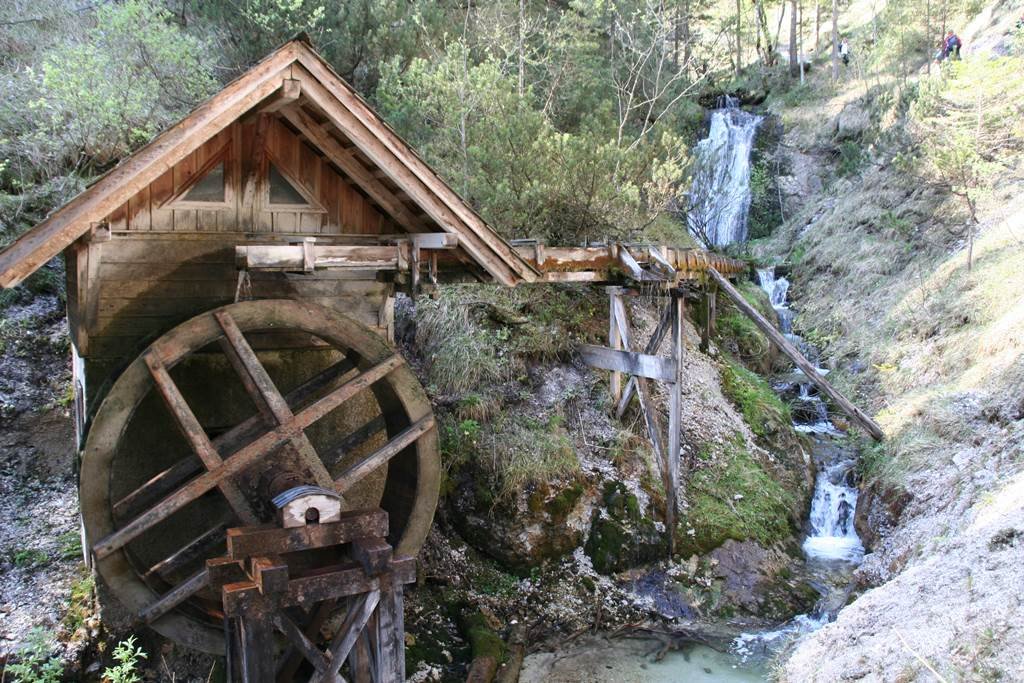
[832, 546]
[720, 195]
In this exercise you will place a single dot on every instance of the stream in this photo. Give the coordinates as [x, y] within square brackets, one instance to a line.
[719, 202]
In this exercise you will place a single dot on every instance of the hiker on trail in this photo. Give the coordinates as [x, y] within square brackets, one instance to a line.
[844, 52]
[951, 50]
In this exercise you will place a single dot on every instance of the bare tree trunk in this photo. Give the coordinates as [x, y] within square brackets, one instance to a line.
[686, 31]
[817, 26]
[521, 48]
[835, 40]
[928, 47]
[800, 38]
[739, 44]
[794, 68]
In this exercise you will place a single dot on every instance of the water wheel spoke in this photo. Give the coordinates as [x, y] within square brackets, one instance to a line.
[265, 395]
[301, 642]
[245, 457]
[207, 540]
[228, 442]
[353, 474]
[358, 614]
[174, 597]
[196, 436]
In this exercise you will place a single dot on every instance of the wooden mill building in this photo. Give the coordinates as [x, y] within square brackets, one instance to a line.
[231, 293]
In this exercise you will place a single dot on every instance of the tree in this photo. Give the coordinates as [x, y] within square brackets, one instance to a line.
[835, 40]
[794, 67]
[969, 125]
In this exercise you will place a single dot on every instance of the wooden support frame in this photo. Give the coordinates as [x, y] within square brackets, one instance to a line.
[371, 634]
[641, 368]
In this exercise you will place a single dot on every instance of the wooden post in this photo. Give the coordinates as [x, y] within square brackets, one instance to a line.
[678, 310]
[614, 342]
[855, 413]
[709, 318]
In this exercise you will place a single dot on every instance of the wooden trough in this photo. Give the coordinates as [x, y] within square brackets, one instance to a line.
[231, 293]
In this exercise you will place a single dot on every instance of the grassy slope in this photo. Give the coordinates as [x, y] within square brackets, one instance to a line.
[937, 352]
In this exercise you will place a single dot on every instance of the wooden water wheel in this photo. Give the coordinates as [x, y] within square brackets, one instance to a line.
[201, 431]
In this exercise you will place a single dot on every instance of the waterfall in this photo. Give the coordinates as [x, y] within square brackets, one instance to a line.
[832, 547]
[720, 194]
[832, 535]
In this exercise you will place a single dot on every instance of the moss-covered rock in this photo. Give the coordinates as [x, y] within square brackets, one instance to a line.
[762, 410]
[732, 496]
[737, 334]
[621, 536]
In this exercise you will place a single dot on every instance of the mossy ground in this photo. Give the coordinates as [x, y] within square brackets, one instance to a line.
[730, 495]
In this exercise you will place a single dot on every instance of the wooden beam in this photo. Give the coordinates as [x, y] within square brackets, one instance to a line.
[347, 162]
[856, 414]
[652, 347]
[677, 312]
[263, 391]
[381, 146]
[479, 234]
[629, 362]
[175, 596]
[274, 540]
[291, 90]
[642, 388]
[615, 343]
[353, 474]
[196, 436]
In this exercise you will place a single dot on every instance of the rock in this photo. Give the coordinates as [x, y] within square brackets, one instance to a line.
[852, 122]
[524, 530]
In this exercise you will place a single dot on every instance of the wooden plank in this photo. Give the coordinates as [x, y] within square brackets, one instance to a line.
[642, 389]
[355, 473]
[190, 552]
[227, 443]
[245, 457]
[266, 393]
[652, 347]
[301, 642]
[856, 414]
[290, 257]
[355, 621]
[677, 306]
[382, 146]
[630, 362]
[272, 539]
[175, 596]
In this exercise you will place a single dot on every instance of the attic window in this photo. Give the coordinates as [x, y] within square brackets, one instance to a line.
[282, 192]
[209, 188]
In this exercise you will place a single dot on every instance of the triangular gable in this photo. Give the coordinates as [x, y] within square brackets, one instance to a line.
[342, 107]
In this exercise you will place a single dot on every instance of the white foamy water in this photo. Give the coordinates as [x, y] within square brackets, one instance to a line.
[832, 544]
[720, 194]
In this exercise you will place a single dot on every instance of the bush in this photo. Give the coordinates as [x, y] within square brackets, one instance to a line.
[35, 662]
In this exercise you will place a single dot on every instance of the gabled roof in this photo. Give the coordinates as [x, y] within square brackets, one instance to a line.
[337, 110]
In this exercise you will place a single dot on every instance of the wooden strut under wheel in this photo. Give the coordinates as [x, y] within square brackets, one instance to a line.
[174, 456]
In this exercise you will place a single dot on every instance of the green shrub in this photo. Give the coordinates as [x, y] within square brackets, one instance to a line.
[35, 662]
[128, 657]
